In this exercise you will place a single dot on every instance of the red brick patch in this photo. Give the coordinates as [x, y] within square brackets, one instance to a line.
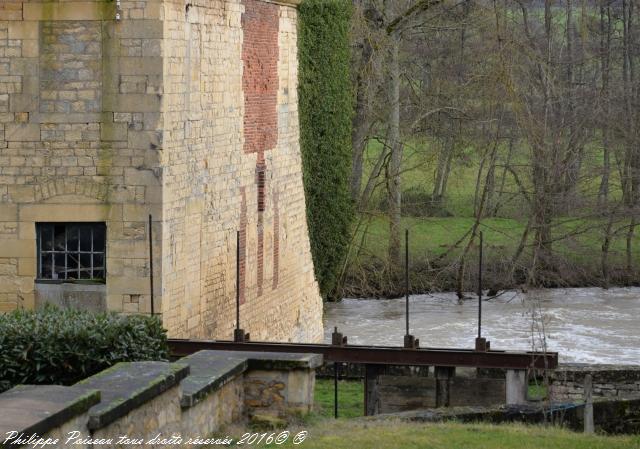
[260, 24]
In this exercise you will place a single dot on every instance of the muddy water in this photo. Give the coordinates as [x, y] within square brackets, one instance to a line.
[587, 325]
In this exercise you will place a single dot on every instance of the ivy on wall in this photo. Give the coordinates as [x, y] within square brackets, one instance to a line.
[326, 106]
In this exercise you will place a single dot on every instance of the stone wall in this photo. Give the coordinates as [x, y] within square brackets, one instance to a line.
[148, 402]
[609, 381]
[80, 102]
[231, 125]
[184, 111]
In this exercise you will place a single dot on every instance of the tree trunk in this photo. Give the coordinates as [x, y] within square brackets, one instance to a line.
[395, 162]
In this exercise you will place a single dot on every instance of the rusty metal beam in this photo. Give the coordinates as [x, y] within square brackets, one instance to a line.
[382, 355]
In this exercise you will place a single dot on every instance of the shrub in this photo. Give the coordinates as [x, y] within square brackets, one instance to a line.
[326, 106]
[63, 346]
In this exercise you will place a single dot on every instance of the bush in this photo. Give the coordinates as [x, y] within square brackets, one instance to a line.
[63, 346]
[326, 107]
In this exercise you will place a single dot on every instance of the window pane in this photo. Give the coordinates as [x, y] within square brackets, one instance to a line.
[85, 238]
[98, 238]
[98, 260]
[45, 266]
[85, 266]
[46, 238]
[72, 266]
[58, 269]
[70, 251]
[59, 237]
[72, 238]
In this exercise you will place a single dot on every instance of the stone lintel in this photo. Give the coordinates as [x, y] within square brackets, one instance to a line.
[36, 409]
[128, 385]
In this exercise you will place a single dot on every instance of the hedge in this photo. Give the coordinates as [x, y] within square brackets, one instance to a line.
[326, 108]
[63, 346]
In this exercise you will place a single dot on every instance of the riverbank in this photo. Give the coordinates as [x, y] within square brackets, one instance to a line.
[435, 259]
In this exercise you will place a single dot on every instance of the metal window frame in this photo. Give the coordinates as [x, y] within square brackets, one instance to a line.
[40, 229]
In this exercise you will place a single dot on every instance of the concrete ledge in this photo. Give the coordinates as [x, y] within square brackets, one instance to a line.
[36, 409]
[127, 386]
[209, 370]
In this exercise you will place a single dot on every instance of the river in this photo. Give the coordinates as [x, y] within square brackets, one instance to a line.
[586, 325]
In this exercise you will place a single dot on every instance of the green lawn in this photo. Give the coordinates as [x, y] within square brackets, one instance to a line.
[366, 434]
[350, 398]
[324, 432]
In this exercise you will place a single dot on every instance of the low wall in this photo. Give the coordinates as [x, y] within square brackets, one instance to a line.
[399, 393]
[152, 404]
[609, 381]
[609, 416]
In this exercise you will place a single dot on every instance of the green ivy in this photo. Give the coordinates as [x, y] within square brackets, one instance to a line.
[62, 346]
[326, 107]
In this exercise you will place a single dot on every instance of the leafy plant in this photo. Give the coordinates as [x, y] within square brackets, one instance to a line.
[326, 106]
[63, 346]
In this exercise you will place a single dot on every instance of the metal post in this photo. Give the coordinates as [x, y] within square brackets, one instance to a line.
[237, 280]
[238, 334]
[335, 390]
[480, 289]
[151, 263]
[410, 342]
[406, 277]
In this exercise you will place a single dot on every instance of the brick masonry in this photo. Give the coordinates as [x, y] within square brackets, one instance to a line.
[186, 112]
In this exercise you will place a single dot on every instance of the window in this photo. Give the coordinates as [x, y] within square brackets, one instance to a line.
[71, 251]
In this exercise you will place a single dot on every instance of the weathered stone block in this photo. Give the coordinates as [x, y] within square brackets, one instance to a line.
[73, 10]
[19, 132]
[23, 30]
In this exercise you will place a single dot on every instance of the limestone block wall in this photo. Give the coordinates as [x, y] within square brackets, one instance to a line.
[186, 111]
[232, 164]
[80, 137]
[608, 381]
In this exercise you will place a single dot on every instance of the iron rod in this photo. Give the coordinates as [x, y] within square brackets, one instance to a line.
[335, 390]
[237, 280]
[406, 278]
[151, 263]
[480, 288]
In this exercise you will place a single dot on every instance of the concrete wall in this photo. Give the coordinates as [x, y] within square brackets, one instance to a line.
[184, 111]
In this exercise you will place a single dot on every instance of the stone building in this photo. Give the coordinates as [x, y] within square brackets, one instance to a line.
[185, 110]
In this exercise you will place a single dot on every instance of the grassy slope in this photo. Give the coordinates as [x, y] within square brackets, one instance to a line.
[431, 236]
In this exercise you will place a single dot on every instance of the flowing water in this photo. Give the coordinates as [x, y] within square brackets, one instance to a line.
[586, 325]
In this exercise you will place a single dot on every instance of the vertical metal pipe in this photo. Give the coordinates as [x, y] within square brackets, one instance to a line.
[480, 288]
[151, 264]
[238, 280]
[335, 390]
[406, 278]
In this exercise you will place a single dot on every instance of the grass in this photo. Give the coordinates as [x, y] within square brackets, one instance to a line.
[324, 432]
[350, 398]
[368, 434]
